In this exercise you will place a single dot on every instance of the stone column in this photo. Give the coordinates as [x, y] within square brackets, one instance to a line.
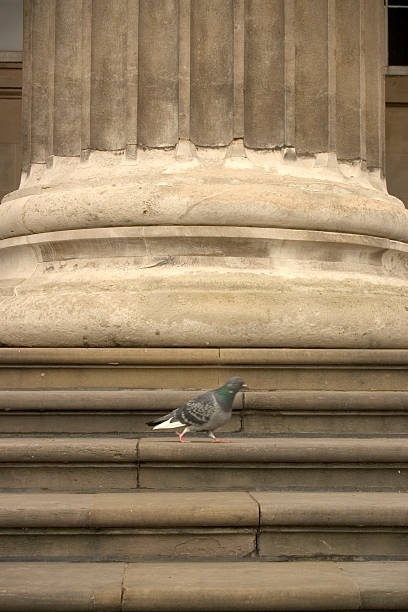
[203, 173]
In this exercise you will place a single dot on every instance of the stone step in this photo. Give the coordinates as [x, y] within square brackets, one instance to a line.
[127, 526]
[332, 525]
[108, 464]
[113, 411]
[273, 462]
[192, 586]
[69, 464]
[208, 525]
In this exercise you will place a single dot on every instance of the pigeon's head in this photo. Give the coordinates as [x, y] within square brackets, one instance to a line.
[235, 383]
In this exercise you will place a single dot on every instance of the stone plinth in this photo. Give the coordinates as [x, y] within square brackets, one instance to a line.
[204, 174]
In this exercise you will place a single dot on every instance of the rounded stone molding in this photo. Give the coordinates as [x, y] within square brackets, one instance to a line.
[258, 189]
[203, 286]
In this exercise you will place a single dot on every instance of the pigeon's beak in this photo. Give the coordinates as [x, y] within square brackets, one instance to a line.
[244, 386]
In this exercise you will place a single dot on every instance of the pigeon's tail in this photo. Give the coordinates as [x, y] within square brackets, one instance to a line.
[168, 421]
[156, 421]
[169, 424]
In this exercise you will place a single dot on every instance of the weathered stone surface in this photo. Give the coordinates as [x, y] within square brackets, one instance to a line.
[267, 450]
[342, 401]
[221, 245]
[68, 450]
[244, 586]
[382, 585]
[159, 510]
[202, 356]
[85, 422]
[284, 270]
[287, 356]
[265, 463]
[63, 587]
[266, 377]
[128, 544]
[269, 194]
[343, 543]
[326, 412]
[144, 400]
[70, 477]
[125, 526]
[144, 525]
[334, 509]
[63, 464]
[326, 423]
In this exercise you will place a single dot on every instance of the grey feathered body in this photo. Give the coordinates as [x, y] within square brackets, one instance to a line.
[203, 413]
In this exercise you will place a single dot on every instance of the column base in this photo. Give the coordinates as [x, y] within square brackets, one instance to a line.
[284, 262]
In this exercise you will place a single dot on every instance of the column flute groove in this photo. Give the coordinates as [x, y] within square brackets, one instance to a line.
[27, 88]
[332, 81]
[108, 80]
[184, 69]
[67, 80]
[239, 67]
[51, 79]
[132, 76]
[264, 74]
[311, 77]
[290, 59]
[40, 108]
[212, 90]
[363, 96]
[158, 73]
[86, 24]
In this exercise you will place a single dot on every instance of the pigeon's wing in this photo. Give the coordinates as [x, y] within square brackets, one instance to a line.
[170, 416]
[198, 411]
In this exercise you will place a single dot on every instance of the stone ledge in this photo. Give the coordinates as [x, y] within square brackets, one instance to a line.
[242, 450]
[111, 464]
[61, 587]
[140, 510]
[275, 450]
[268, 377]
[202, 356]
[203, 525]
[168, 510]
[143, 400]
[146, 400]
[68, 450]
[191, 196]
[316, 401]
[358, 509]
[111, 356]
[244, 586]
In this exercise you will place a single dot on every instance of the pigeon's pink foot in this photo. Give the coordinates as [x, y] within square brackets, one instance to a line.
[181, 439]
[219, 440]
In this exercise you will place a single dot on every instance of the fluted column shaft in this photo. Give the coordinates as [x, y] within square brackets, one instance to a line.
[114, 74]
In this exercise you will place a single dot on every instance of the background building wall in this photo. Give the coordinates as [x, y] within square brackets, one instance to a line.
[396, 134]
[10, 126]
[11, 46]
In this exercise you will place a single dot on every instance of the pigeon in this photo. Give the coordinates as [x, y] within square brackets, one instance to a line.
[205, 412]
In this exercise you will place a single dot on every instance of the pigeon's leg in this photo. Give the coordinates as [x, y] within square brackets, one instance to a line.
[215, 439]
[181, 435]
